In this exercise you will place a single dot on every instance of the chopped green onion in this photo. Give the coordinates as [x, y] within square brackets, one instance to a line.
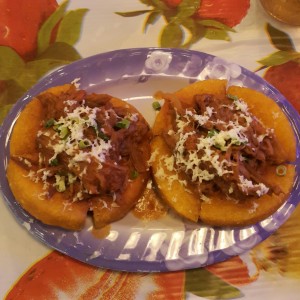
[237, 142]
[60, 184]
[281, 170]
[71, 178]
[63, 132]
[232, 97]
[54, 162]
[134, 174]
[83, 144]
[212, 132]
[218, 146]
[75, 120]
[221, 146]
[96, 129]
[56, 127]
[101, 134]
[156, 105]
[123, 123]
[49, 123]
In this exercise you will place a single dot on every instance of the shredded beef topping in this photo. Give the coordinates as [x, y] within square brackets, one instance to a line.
[87, 146]
[221, 146]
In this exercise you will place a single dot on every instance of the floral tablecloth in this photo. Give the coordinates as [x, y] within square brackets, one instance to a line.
[38, 36]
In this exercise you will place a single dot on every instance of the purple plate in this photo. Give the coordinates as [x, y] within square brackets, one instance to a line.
[167, 244]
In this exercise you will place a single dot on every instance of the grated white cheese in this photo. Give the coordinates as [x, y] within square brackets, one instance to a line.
[245, 184]
[43, 196]
[275, 115]
[75, 123]
[241, 105]
[69, 137]
[190, 161]
[133, 117]
[254, 208]
[205, 199]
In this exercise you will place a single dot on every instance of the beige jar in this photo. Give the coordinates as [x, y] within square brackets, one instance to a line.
[287, 11]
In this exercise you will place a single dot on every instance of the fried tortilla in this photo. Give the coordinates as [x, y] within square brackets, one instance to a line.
[72, 153]
[222, 156]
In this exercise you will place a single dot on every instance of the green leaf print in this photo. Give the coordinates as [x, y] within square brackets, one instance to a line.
[279, 57]
[204, 284]
[11, 63]
[132, 13]
[151, 19]
[70, 26]
[45, 31]
[171, 36]
[280, 39]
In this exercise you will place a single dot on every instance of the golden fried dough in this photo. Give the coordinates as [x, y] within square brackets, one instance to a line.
[61, 190]
[189, 198]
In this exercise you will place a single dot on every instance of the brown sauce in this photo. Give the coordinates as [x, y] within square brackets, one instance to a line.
[102, 232]
[150, 207]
